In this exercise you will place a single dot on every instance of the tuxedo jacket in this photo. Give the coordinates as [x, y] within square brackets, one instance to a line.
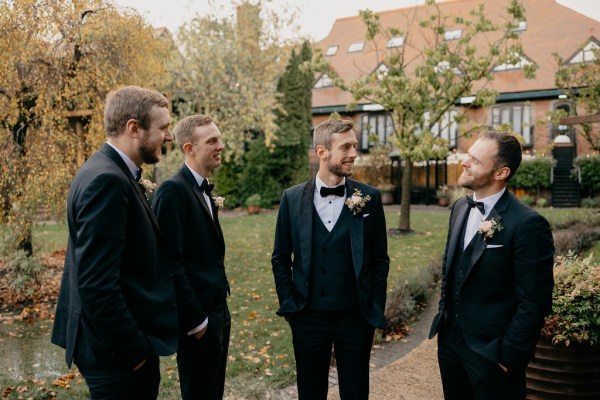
[117, 301]
[292, 253]
[507, 289]
[195, 240]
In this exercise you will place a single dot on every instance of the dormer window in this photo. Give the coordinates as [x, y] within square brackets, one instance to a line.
[523, 61]
[395, 42]
[332, 50]
[453, 34]
[356, 47]
[586, 54]
[323, 82]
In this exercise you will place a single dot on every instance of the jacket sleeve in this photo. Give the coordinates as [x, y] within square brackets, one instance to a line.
[281, 259]
[381, 260]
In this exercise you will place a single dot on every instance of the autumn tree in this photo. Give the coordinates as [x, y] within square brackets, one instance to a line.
[60, 58]
[580, 82]
[420, 84]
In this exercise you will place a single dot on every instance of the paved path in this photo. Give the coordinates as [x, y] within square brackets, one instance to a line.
[402, 370]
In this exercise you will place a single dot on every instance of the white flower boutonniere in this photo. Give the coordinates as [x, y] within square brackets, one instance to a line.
[489, 227]
[219, 201]
[356, 202]
[147, 185]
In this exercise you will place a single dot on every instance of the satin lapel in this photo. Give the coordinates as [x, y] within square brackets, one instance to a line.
[305, 223]
[356, 231]
[187, 175]
[480, 244]
[457, 228]
[113, 155]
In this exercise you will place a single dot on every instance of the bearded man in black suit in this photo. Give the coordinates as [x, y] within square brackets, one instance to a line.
[117, 310]
[496, 279]
[187, 213]
[330, 265]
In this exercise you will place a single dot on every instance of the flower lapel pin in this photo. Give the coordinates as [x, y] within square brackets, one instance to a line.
[357, 201]
[489, 227]
[219, 201]
[147, 185]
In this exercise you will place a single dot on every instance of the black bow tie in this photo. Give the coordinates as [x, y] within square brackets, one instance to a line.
[206, 187]
[478, 204]
[139, 175]
[336, 191]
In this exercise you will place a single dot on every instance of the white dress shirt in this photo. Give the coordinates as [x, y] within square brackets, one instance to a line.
[476, 218]
[201, 179]
[130, 164]
[328, 207]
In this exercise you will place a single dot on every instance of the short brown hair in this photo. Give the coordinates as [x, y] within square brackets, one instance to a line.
[130, 102]
[184, 131]
[323, 131]
[509, 152]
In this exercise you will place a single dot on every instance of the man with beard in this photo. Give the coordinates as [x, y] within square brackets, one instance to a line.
[330, 265]
[116, 311]
[188, 216]
[496, 279]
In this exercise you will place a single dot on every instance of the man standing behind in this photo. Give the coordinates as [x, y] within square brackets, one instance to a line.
[330, 265]
[116, 311]
[496, 279]
[188, 216]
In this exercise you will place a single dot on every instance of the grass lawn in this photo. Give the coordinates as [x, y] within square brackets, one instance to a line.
[261, 353]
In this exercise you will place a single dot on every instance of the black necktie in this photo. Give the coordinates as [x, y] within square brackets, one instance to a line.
[478, 204]
[206, 187]
[336, 191]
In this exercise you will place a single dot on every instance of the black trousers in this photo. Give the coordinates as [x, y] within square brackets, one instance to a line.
[467, 375]
[314, 333]
[123, 383]
[202, 362]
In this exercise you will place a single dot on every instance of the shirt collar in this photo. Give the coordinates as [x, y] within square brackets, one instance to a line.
[199, 178]
[319, 183]
[490, 201]
[130, 164]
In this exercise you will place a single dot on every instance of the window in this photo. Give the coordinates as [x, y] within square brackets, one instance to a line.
[446, 128]
[587, 54]
[356, 47]
[518, 65]
[324, 81]
[443, 66]
[372, 124]
[568, 130]
[454, 34]
[521, 27]
[518, 116]
[395, 42]
[332, 50]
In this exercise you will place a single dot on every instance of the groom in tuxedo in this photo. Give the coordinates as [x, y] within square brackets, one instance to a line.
[330, 265]
[496, 279]
[188, 216]
[116, 310]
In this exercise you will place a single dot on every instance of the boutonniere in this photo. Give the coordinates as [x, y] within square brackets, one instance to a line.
[489, 227]
[357, 201]
[147, 185]
[219, 201]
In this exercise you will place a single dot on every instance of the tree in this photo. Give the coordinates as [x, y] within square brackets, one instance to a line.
[59, 60]
[420, 85]
[581, 84]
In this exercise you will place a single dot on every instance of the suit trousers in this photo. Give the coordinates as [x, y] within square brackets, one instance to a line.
[202, 362]
[467, 375]
[121, 383]
[314, 332]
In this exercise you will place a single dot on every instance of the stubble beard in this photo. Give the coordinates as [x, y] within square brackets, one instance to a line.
[147, 155]
[476, 183]
[338, 170]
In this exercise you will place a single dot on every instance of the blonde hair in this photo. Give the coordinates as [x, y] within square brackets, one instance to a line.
[323, 131]
[184, 131]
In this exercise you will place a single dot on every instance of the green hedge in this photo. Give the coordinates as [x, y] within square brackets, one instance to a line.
[533, 174]
[590, 173]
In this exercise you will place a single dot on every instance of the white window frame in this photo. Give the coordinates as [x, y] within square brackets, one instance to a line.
[452, 34]
[332, 50]
[324, 81]
[375, 123]
[518, 115]
[356, 47]
[397, 41]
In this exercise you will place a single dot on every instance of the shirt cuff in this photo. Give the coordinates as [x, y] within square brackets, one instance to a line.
[198, 328]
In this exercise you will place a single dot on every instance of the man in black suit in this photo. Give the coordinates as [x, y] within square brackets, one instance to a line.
[188, 215]
[497, 279]
[330, 265]
[117, 311]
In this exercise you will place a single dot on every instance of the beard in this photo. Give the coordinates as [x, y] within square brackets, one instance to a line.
[338, 170]
[476, 183]
[149, 155]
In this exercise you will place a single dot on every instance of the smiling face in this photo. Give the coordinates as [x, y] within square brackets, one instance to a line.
[480, 172]
[339, 160]
[158, 133]
[204, 155]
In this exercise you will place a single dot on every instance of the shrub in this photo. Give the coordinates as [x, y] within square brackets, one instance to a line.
[577, 238]
[527, 199]
[590, 173]
[23, 270]
[541, 202]
[590, 202]
[533, 174]
[253, 200]
[575, 316]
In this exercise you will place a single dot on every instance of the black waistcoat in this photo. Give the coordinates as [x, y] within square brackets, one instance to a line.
[333, 283]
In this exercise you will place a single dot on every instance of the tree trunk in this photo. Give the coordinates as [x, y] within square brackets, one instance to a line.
[405, 202]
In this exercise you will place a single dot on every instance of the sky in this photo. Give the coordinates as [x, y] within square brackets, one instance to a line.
[315, 17]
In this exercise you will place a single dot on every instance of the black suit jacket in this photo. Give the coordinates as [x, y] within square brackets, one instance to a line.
[117, 302]
[195, 240]
[292, 253]
[507, 290]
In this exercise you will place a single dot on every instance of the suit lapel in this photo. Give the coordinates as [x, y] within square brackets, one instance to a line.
[306, 224]
[457, 229]
[187, 174]
[356, 231]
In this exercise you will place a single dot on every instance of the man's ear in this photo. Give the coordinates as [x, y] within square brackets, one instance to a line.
[502, 174]
[188, 148]
[321, 152]
[132, 128]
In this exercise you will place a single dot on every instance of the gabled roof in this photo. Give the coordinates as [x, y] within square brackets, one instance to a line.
[551, 28]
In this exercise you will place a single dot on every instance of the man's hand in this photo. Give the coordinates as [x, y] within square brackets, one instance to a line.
[503, 367]
[200, 333]
[140, 365]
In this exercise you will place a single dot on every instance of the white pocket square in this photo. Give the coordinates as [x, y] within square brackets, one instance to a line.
[366, 215]
[494, 246]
